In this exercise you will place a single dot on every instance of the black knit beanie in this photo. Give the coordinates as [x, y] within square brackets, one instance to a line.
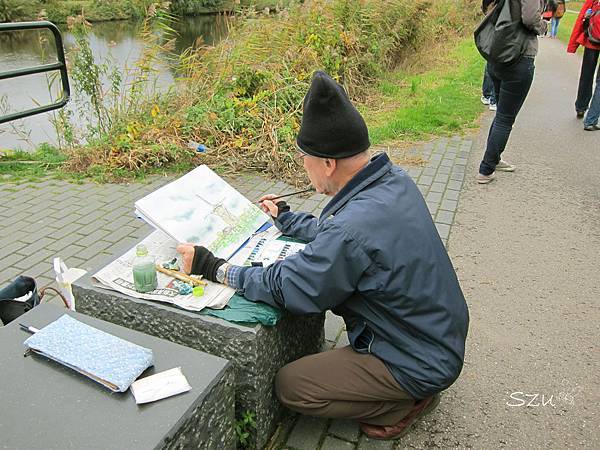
[331, 125]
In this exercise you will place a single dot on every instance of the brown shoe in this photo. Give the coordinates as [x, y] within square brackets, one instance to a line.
[421, 409]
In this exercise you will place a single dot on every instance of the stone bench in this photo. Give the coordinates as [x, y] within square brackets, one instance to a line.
[256, 351]
[47, 405]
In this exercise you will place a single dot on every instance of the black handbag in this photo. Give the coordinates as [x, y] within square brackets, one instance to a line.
[499, 38]
[20, 296]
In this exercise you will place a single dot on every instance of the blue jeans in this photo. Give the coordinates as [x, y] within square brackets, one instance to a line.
[487, 88]
[554, 26]
[593, 114]
[511, 85]
[586, 78]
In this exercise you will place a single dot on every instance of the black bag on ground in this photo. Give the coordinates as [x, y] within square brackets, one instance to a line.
[499, 38]
[10, 308]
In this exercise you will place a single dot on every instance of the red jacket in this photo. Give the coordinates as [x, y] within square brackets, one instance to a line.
[578, 37]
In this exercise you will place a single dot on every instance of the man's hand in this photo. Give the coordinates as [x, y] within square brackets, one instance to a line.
[273, 208]
[199, 260]
[187, 256]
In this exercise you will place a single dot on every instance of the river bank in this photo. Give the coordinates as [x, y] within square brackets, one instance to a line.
[408, 65]
[58, 11]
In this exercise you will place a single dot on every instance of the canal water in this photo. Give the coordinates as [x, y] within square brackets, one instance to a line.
[116, 42]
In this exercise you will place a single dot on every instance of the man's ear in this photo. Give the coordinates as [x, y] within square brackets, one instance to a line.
[330, 166]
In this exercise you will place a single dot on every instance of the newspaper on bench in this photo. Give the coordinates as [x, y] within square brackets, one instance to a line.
[263, 247]
[118, 276]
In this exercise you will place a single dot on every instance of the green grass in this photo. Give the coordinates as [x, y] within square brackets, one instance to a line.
[566, 26]
[19, 166]
[442, 101]
[45, 163]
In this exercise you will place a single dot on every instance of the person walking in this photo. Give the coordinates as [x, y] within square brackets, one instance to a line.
[511, 85]
[558, 14]
[548, 11]
[488, 95]
[589, 63]
[590, 122]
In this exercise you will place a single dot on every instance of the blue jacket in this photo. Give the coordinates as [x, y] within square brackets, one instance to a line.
[374, 257]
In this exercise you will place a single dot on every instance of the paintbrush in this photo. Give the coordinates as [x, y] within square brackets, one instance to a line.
[181, 276]
[288, 195]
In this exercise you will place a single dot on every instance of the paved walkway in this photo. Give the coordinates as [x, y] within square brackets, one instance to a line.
[83, 223]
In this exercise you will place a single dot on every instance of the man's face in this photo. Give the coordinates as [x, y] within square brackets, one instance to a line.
[319, 172]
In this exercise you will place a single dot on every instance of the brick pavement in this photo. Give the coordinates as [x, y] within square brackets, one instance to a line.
[83, 223]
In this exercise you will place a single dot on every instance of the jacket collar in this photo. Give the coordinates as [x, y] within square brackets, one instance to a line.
[378, 166]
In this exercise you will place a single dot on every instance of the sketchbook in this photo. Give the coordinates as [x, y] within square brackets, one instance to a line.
[202, 209]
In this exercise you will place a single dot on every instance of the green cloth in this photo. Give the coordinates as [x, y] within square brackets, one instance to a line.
[240, 310]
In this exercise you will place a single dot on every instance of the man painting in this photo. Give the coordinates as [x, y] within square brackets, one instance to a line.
[373, 257]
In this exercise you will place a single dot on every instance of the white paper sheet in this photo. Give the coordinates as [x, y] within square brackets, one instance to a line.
[160, 385]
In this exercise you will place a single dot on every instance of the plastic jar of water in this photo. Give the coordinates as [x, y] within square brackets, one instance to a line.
[144, 270]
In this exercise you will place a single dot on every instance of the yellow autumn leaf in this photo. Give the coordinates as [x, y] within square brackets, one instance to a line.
[155, 111]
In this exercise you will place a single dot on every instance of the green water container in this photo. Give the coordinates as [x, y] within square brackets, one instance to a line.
[144, 270]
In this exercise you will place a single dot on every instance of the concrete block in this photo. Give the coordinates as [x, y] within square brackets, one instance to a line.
[202, 418]
[455, 185]
[444, 170]
[434, 197]
[449, 205]
[345, 429]
[93, 250]
[9, 274]
[445, 217]
[331, 443]
[10, 249]
[373, 444]
[443, 230]
[429, 171]
[437, 187]
[433, 207]
[442, 178]
[71, 250]
[64, 237]
[90, 238]
[118, 235]
[426, 180]
[306, 434]
[11, 259]
[451, 195]
[257, 352]
[29, 261]
[457, 176]
[30, 249]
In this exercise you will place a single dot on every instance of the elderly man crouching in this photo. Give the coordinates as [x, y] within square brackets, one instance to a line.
[373, 257]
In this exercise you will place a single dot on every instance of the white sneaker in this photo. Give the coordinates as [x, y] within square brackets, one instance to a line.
[503, 166]
[485, 179]
[493, 107]
[485, 100]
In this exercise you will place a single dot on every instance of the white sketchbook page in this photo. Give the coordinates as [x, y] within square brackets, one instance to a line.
[201, 208]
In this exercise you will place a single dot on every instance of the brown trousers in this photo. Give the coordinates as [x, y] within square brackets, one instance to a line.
[343, 384]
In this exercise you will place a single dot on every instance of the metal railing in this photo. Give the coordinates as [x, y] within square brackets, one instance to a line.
[60, 65]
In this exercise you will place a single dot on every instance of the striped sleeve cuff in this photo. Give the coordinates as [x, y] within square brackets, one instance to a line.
[232, 276]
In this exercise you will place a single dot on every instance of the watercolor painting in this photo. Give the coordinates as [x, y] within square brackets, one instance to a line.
[201, 208]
